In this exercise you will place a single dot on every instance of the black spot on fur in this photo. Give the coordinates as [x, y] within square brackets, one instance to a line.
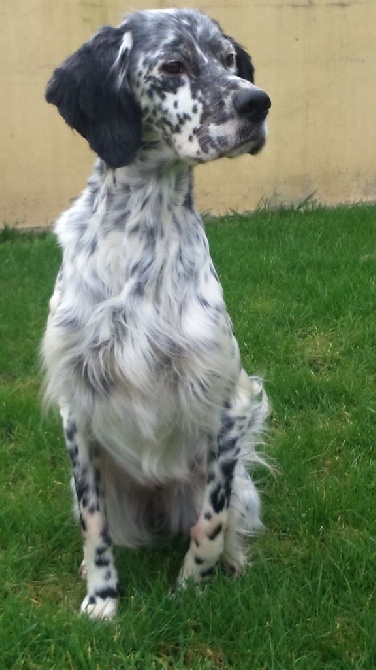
[82, 488]
[227, 424]
[71, 431]
[107, 593]
[73, 455]
[101, 550]
[188, 201]
[227, 468]
[218, 499]
[227, 445]
[199, 560]
[203, 302]
[102, 561]
[207, 572]
[138, 289]
[215, 532]
[106, 538]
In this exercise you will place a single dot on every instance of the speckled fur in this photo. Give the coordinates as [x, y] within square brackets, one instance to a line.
[160, 419]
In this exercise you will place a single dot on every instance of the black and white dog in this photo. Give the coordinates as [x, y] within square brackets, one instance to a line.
[160, 419]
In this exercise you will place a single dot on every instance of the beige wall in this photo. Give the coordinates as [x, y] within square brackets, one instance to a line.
[316, 59]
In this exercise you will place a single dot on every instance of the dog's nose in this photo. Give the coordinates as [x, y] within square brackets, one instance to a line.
[253, 103]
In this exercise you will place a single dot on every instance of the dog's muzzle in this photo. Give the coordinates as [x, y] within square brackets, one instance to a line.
[252, 103]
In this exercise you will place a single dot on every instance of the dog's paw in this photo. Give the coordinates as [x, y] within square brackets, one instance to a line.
[99, 608]
[232, 567]
[194, 570]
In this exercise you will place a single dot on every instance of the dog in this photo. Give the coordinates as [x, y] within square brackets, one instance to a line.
[160, 420]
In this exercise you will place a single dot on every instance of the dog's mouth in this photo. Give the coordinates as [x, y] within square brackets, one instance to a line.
[250, 144]
[256, 148]
[231, 139]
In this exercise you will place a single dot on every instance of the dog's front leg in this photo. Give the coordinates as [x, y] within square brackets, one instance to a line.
[102, 590]
[221, 518]
[208, 534]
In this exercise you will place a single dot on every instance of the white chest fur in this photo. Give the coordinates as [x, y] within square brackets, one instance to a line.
[138, 326]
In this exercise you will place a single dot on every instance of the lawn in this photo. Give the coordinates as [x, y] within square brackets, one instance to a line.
[300, 287]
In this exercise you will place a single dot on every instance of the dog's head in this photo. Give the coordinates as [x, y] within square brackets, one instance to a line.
[166, 75]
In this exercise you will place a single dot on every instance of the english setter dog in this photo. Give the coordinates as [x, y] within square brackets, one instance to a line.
[160, 419]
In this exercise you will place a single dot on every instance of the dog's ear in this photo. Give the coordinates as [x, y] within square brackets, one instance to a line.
[92, 94]
[244, 66]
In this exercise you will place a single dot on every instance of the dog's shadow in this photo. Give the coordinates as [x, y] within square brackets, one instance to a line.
[141, 569]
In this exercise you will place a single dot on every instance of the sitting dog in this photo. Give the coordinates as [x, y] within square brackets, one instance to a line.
[160, 419]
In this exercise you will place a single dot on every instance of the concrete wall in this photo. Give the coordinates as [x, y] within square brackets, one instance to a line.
[315, 58]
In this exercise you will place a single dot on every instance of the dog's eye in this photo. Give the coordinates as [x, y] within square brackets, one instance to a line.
[230, 61]
[173, 67]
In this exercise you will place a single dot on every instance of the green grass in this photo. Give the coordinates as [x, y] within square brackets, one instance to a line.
[300, 287]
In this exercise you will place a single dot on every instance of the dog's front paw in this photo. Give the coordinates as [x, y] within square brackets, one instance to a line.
[96, 607]
[194, 570]
[207, 542]
[234, 567]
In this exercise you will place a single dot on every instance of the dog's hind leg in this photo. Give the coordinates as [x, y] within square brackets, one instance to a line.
[216, 533]
[102, 590]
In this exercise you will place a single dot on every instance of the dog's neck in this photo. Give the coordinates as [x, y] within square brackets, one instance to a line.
[152, 193]
[156, 179]
[142, 216]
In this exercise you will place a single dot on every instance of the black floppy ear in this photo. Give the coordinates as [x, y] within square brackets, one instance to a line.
[245, 69]
[91, 91]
